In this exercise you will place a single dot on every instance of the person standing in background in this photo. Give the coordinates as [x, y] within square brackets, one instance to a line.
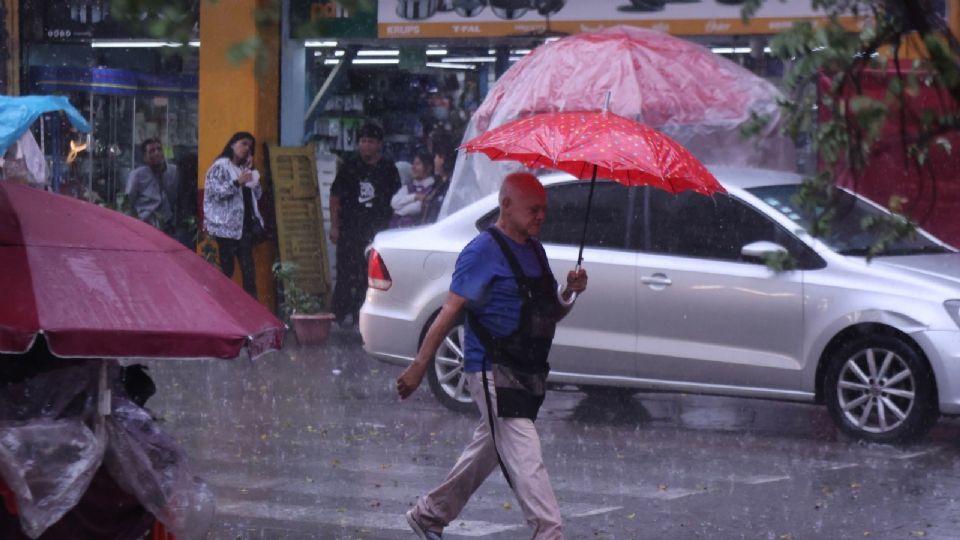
[230, 211]
[359, 209]
[444, 158]
[407, 202]
[152, 188]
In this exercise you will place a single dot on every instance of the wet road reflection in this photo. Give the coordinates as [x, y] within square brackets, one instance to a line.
[313, 443]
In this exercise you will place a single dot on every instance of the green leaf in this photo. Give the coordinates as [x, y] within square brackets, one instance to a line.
[294, 299]
[754, 126]
[780, 262]
[749, 9]
[244, 50]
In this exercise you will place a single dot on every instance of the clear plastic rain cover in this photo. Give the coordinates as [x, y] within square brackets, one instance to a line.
[699, 98]
[52, 441]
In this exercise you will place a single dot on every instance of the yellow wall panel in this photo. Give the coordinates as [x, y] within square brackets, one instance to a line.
[234, 97]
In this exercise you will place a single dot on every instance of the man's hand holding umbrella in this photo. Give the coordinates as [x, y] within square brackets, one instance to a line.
[576, 284]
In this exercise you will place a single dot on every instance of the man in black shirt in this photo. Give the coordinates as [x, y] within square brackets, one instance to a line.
[359, 209]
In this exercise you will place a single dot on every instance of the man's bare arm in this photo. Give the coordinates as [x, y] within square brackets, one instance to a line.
[450, 313]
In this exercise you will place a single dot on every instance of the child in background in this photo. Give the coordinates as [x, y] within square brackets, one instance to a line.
[407, 203]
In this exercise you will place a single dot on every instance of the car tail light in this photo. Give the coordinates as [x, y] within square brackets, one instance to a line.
[377, 275]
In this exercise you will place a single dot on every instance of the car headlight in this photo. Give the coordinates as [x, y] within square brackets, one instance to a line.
[953, 308]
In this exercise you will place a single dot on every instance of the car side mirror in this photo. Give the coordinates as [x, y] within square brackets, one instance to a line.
[762, 249]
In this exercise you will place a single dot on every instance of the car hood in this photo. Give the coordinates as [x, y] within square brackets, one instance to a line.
[943, 268]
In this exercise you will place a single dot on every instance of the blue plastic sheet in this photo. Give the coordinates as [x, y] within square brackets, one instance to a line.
[17, 114]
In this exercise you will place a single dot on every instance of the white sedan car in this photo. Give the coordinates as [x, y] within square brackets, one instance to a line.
[681, 299]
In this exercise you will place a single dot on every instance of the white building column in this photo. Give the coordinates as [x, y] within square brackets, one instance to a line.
[293, 82]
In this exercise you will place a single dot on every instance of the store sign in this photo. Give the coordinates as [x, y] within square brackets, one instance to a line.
[491, 18]
[316, 19]
[71, 20]
[84, 20]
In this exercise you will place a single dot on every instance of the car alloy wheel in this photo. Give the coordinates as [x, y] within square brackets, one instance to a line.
[879, 389]
[446, 376]
[876, 390]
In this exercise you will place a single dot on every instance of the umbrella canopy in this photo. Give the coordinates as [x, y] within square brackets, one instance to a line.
[665, 80]
[18, 113]
[98, 283]
[681, 88]
[592, 144]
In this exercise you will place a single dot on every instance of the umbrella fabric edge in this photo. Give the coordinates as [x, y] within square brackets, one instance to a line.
[672, 164]
[13, 341]
[87, 343]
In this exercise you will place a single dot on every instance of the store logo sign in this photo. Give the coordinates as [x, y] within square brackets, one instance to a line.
[328, 10]
[403, 29]
[466, 29]
[714, 26]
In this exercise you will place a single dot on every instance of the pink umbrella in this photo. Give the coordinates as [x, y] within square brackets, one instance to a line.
[97, 283]
[665, 80]
[696, 97]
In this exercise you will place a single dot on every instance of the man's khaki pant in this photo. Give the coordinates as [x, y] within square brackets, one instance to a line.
[519, 446]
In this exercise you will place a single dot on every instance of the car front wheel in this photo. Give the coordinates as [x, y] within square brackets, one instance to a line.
[878, 388]
[446, 376]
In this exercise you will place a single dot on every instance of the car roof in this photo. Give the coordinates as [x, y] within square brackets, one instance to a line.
[736, 177]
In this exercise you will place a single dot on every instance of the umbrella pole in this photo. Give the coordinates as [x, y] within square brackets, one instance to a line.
[586, 219]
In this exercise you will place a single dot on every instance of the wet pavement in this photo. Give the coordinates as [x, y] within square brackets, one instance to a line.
[312, 443]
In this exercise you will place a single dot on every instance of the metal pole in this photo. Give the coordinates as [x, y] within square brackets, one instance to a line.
[90, 141]
[133, 135]
[166, 126]
[586, 219]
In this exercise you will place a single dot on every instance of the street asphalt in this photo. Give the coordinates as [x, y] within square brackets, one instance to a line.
[312, 443]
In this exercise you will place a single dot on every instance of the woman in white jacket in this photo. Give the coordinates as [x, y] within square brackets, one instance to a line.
[230, 211]
[407, 202]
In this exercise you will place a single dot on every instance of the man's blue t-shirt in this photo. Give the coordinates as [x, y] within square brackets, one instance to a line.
[483, 276]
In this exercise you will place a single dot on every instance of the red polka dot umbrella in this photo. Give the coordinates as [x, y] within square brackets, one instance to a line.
[597, 144]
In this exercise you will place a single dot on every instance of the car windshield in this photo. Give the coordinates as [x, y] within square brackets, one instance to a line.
[846, 234]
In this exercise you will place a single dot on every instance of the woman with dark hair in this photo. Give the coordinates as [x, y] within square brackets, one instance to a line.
[444, 157]
[407, 202]
[230, 211]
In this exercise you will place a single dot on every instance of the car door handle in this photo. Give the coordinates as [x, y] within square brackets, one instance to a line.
[657, 281]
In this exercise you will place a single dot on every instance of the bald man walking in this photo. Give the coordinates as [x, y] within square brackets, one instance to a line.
[503, 282]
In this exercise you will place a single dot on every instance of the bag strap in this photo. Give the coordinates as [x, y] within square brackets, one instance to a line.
[512, 257]
[493, 431]
[542, 257]
[487, 337]
[507, 252]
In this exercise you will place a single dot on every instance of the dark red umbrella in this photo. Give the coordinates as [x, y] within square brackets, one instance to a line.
[97, 283]
[599, 143]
